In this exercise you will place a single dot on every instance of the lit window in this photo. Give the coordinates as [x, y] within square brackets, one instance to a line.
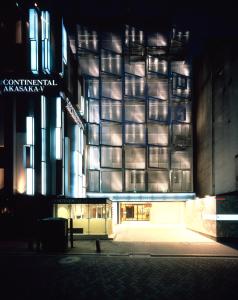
[29, 156]
[64, 44]
[58, 130]
[33, 30]
[45, 28]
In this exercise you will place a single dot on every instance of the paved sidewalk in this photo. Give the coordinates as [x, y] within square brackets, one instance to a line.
[112, 278]
[109, 247]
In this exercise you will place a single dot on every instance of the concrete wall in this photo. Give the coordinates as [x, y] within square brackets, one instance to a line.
[216, 96]
[226, 123]
[167, 213]
[200, 214]
[203, 129]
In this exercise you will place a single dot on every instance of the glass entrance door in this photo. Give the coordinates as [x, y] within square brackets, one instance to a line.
[135, 212]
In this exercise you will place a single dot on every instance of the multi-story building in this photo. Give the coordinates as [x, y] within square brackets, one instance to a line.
[216, 138]
[105, 115]
[41, 115]
[137, 87]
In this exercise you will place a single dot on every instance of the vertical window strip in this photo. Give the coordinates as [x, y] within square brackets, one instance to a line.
[64, 44]
[45, 25]
[30, 172]
[33, 32]
[43, 146]
[58, 130]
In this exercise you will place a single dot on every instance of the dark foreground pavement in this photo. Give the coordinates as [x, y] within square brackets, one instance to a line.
[42, 276]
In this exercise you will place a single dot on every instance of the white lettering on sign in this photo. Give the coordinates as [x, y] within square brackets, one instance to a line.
[26, 85]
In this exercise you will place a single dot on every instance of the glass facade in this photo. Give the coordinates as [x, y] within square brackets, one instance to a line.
[138, 93]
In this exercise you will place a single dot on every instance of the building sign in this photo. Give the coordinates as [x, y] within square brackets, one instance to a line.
[26, 86]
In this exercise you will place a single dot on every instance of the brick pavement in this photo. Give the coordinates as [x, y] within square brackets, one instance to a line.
[88, 277]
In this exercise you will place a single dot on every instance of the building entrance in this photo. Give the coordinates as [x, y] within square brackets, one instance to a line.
[135, 212]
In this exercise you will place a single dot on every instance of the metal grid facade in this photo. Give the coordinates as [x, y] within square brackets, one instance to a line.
[137, 89]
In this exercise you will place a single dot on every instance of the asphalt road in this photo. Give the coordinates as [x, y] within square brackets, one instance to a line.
[41, 276]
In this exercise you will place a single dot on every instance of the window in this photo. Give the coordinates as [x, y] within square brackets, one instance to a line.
[58, 130]
[29, 156]
[135, 180]
[93, 157]
[111, 157]
[93, 88]
[93, 181]
[111, 134]
[157, 87]
[135, 158]
[135, 133]
[158, 157]
[93, 111]
[33, 31]
[134, 86]
[93, 134]
[111, 181]
[110, 62]
[43, 145]
[158, 181]
[45, 29]
[135, 111]
[64, 45]
[111, 88]
[158, 110]
[156, 65]
[181, 160]
[158, 134]
[111, 110]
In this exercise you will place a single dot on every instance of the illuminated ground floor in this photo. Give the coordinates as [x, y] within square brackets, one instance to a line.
[162, 215]
[144, 231]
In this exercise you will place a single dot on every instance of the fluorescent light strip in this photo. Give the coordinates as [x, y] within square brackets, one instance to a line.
[145, 196]
[220, 217]
[30, 130]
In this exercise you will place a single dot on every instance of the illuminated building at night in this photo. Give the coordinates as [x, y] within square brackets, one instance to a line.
[98, 124]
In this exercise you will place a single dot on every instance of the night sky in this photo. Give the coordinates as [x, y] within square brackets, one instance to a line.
[204, 19]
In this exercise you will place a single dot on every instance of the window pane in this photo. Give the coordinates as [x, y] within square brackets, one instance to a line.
[111, 110]
[157, 39]
[158, 110]
[111, 157]
[111, 134]
[135, 111]
[158, 134]
[137, 67]
[135, 158]
[112, 42]
[111, 88]
[93, 134]
[87, 39]
[158, 157]
[181, 160]
[110, 62]
[157, 65]
[89, 64]
[135, 180]
[181, 181]
[111, 181]
[158, 181]
[93, 157]
[93, 111]
[135, 133]
[181, 112]
[134, 86]
[182, 135]
[93, 181]
[93, 88]
[158, 87]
